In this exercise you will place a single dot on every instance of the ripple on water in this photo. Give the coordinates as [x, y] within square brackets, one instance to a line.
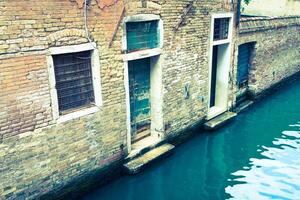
[274, 176]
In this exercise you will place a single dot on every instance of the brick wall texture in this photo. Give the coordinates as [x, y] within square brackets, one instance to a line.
[277, 49]
[38, 155]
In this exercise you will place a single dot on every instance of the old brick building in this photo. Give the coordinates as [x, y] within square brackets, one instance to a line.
[80, 84]
[267, 51]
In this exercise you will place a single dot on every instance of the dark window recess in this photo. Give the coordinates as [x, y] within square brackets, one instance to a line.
[74, 85]
[142, 35]
[221, 27]
[214, 70]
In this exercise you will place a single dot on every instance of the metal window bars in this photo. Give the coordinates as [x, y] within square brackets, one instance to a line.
[74, 83]
[221, 26]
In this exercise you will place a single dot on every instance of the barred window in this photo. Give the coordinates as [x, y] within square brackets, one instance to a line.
[221, 26]
[142, 35]
[74, 83]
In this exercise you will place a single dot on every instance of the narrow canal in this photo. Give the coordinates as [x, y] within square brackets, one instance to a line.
[255, 157]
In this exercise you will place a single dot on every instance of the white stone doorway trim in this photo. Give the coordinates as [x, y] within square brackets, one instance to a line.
[223, 67]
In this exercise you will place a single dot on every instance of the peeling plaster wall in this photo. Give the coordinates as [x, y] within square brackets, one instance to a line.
[272, 7]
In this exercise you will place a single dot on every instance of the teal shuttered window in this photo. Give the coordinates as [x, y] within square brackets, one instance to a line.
[142, 35]
[244, 55]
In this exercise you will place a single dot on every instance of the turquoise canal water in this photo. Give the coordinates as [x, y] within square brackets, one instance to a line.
[255, 157]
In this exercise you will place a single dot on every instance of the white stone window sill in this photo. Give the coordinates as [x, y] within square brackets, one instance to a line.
[77, 114]
[142, 54]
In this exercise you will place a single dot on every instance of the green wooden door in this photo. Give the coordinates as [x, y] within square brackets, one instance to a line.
[139, 85]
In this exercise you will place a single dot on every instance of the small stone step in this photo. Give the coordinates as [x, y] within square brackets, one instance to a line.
[136, 165]
[141, 135]
[243, 106]
[143, 146]
[219, 121]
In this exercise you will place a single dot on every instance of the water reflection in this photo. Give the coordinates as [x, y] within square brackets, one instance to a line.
[274, 176]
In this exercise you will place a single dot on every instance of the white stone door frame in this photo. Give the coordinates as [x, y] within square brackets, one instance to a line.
[156, 95]
[223, 66]
[156, 89]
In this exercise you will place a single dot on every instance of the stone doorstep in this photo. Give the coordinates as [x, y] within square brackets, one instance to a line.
[142, 135]
[219, 121]
[138, 164]
[243, 106]
[143, 146]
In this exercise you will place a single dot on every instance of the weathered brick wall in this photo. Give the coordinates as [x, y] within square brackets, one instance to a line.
[24, 87]
[38, 155]
[277, 49]
[186, 61]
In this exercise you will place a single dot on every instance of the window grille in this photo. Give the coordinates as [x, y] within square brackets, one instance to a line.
[221, 26]
[74, 84]
[142, 35]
